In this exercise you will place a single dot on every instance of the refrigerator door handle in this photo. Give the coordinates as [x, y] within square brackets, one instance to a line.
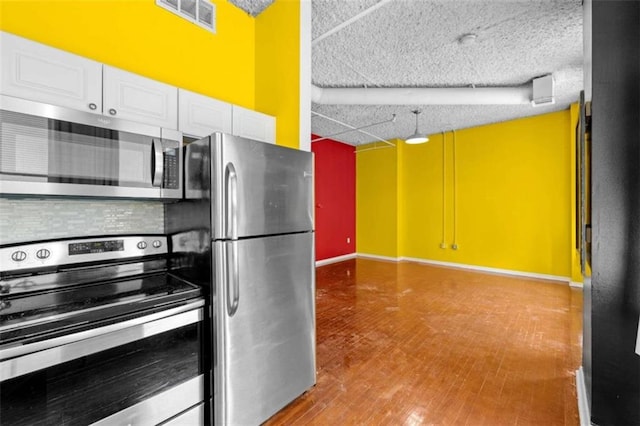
[231, 222]
[231, 202]
[233, 277]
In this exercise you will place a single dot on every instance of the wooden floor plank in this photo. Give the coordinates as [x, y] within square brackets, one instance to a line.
[412, 344]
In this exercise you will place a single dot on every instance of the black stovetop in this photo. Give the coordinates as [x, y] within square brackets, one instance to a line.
[45, 305]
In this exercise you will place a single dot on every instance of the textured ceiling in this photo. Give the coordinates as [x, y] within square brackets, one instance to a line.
[252, 7]
[415, 43]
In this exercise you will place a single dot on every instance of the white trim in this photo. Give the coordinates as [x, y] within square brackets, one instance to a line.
[377, 257]
[305, 76]
[472, 267]
[575, 284]
[583, 401]
[488, 269]
[335, 259]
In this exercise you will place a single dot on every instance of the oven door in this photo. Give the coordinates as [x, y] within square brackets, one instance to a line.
[144, 370]
[49, 150]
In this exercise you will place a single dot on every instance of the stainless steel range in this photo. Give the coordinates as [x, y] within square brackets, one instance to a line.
[99, 331]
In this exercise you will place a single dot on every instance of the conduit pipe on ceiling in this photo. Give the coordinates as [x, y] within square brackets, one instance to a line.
[423, 95]
[354, 128]
[350, 21]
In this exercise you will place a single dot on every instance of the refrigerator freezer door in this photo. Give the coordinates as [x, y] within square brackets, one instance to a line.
[266, 327]
[260, 188]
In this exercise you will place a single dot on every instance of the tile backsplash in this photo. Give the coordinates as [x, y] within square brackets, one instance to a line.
[39, 219]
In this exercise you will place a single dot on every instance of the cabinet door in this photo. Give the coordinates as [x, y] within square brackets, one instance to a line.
[200, 115]
[254, 125]
[133, 97]
[33, 71]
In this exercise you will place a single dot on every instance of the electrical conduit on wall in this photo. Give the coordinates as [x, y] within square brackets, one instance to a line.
[454, 245]
[512, 202]
[443, 243]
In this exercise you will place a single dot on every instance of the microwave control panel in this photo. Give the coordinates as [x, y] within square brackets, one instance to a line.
[171, 169]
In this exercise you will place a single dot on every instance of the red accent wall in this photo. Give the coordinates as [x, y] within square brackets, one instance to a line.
[335, 192]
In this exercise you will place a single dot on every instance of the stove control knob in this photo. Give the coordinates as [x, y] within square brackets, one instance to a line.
[142, 245]
[157, 243]
[18, 256]
[43, 254]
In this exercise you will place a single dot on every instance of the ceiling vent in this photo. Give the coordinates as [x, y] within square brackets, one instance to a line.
[543, 91]
[199, 12]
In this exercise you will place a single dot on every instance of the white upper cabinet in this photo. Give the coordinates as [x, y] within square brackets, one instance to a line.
[40, 73]
[254, 125]
[200, 115]
[37, 72]
[133, 97]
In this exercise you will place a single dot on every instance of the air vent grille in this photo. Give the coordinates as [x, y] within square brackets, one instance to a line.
[199, 12]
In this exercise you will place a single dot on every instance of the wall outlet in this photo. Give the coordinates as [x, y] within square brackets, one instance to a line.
[454, 246]
[443, 245]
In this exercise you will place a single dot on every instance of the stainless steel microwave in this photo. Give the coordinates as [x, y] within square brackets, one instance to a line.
[50, 150]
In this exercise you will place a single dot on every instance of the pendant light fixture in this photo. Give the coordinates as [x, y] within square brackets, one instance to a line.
[416, 138]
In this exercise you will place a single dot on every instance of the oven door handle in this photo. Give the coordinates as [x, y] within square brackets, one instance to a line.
[19, 360]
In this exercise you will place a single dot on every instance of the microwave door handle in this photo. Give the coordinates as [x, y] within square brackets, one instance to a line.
[157, 166]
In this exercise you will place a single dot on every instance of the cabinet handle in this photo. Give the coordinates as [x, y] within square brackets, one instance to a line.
[112, 111]
[92, 106]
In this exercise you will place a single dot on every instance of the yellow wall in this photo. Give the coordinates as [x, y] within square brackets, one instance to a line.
[143, 38]
[421, 173]
[376, 202]
[248, 62]
[277, 68]
[513, 197]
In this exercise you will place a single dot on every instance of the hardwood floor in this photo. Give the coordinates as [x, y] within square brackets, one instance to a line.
[412, 344]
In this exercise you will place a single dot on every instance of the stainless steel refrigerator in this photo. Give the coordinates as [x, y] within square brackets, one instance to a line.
[249, 205]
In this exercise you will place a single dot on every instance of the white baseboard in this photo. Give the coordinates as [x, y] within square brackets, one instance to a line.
[576, 285]
[471, 267]
[335, 259]
[583, 402]
[378, 257]
[491, 270]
